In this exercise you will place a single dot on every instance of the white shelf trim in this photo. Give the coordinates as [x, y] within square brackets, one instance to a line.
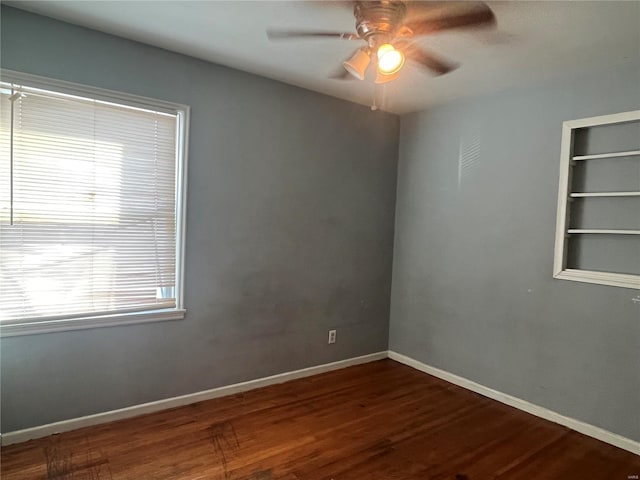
[630, 153]
[604, 194]
[607, 232]
[600, 278]
[610, 119]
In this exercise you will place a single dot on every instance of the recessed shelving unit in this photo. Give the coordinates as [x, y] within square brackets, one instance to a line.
[586, 240]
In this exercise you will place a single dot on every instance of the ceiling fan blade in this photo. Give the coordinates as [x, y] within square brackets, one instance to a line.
[427, 59]
[451, 18]
[273, 34]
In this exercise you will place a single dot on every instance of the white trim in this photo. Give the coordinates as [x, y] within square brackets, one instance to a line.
[96, 321]
[622, 117]
[604, 194]
[182, 155]
[577, 425]
[631, 153]
[144, 408]
[562, 218]
[601, 278]
[598, 433]
[606, 232]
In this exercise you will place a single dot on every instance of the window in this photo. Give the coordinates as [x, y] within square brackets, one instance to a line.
[598, 225]
[91, 206]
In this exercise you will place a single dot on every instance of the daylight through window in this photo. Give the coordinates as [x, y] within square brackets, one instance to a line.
[90, 200]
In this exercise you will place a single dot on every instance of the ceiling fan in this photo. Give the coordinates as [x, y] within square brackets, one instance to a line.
[388, 28]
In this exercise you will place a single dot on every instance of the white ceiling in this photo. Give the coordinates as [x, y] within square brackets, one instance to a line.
[534, 42]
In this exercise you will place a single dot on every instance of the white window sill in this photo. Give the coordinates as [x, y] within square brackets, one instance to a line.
[116, 319]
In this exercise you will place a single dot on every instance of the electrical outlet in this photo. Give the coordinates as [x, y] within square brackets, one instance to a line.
[332, 336]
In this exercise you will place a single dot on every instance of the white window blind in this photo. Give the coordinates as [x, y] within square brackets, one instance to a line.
[88, 207]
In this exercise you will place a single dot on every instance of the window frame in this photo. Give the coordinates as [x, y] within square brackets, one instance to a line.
[560, 270]
[80, 322]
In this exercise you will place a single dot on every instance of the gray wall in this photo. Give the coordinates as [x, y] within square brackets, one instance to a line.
[289, 233]
[473, 291]
[290, 229]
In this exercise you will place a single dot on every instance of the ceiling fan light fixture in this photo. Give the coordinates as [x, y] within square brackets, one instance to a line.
[385, 78]
[390, 60]
[358, 63]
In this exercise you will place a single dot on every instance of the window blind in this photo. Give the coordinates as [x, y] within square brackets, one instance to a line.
[87, 207]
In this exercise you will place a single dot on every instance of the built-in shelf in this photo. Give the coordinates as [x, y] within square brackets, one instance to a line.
[570, 254]
[604, 194]
[630, 153]
[609, 232]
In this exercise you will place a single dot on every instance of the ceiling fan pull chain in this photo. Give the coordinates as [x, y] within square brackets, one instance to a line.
[374, 105]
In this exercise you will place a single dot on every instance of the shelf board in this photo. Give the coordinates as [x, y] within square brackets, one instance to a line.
[604, 194]
[630, 153]
[608, 232]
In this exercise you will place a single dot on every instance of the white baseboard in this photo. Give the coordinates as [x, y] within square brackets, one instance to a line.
[582, 427]
[136, 410]
[144, 408]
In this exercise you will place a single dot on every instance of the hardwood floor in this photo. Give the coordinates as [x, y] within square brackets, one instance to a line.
[379, 421]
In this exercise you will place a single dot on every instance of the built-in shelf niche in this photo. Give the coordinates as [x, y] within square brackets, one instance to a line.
[598, 220]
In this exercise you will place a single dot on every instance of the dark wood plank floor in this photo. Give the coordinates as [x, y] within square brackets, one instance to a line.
[379, 421]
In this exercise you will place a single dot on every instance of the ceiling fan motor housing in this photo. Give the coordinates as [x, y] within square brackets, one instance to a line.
[389, 27]
[378, 21]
